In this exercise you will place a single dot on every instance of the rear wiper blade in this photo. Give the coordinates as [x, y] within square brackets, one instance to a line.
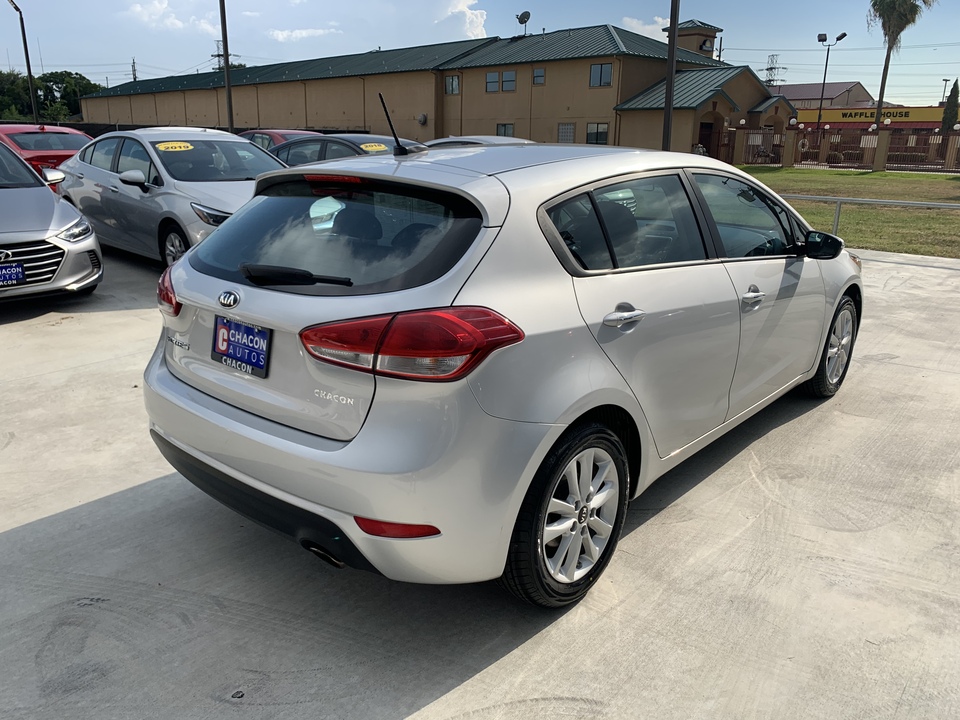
[280, 275]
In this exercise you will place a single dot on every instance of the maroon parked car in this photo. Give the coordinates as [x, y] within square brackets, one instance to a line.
[43, 146]
[268, 138]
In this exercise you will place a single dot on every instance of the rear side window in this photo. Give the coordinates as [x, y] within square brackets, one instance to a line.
[353, 238]
[102, 156]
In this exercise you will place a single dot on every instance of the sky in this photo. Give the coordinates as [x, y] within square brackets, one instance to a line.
[101, 38]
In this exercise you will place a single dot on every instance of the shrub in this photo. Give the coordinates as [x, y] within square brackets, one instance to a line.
[834, 158]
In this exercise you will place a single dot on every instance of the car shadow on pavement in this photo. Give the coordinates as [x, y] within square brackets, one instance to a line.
[129, 283]
[156, 599]
[672, 486]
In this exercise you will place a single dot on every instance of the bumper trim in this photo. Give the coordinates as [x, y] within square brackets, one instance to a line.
[293, 522]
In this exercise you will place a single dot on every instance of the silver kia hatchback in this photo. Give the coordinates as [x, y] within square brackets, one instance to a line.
[462, 364]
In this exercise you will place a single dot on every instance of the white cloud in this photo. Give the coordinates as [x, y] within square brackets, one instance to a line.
[471, 21]
[295, 35]
[247, 13]
[157, 14]
[653, 30]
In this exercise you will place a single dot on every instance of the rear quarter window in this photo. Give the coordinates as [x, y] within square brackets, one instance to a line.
[379, 236]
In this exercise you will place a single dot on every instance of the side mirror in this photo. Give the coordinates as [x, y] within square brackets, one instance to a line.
[134, 177]
[823, 246]
[52, 176]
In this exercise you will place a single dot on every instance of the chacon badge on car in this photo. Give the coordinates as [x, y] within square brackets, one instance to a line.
[229, 299]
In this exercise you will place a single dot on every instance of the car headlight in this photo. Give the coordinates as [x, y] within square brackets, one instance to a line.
[209, 215]
[78, 231]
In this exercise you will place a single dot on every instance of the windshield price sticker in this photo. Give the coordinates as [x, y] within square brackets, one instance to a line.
[11, 274]
[241, 346]
[174, 146]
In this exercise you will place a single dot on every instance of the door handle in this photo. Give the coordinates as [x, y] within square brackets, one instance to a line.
[620, 318]
[753, 295]
[80, 175]
[114, 189]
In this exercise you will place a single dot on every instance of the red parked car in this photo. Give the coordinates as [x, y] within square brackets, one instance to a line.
[268, 138]
[43, 146]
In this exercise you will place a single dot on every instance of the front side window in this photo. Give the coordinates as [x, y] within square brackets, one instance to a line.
[566, 132]
[103, 151]
[302, 152]
[539, 76]
[509, 83]
[748, 222]
[505, 129]
[338, 150]
[214, 160]
[597, 133]
[601, 75]
[133, 156]
[493, 82]
[357, 238]
[451, 85]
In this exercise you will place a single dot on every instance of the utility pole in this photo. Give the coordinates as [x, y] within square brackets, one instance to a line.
[26, 55]
[671, 74]
[218, 55]
[133, 67]
[226, 66]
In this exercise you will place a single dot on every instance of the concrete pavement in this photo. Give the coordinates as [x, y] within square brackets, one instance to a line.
[803, 566]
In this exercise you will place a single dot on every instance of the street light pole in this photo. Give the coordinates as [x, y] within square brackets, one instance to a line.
[822, 38]
[671, 74]
[226, 66]
[26, 54]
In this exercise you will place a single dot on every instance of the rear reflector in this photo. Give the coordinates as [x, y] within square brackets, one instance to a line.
[438, 345]
[381, 528]
[166, 298]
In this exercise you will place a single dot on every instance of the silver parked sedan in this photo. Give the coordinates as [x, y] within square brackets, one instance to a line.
[469, 371]
[159, 191]
[46, 246]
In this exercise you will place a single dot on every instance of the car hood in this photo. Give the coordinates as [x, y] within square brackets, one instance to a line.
[34, 210]
[227, 195]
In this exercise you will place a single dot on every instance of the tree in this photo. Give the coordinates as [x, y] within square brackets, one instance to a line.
[893, 16]
[950, 110]
[63, 87]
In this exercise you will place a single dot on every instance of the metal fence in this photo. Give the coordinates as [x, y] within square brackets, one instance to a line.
[868, 201]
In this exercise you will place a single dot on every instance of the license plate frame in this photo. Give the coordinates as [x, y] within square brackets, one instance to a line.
[241, 346]
[12, 274]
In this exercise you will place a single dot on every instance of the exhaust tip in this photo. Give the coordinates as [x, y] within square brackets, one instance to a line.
[327, 557]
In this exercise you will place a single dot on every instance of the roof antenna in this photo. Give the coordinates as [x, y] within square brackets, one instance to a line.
[523, 18]
[398, 149]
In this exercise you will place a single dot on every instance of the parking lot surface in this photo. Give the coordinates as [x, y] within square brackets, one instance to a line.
[803, 566]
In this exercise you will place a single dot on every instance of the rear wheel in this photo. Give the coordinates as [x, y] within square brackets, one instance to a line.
[173, 243]
[837, 352]
[570, 520]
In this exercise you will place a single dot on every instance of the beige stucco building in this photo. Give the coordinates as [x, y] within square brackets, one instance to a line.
[599, 84]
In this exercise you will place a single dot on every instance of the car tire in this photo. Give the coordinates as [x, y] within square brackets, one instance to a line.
[837, 352]
[173, 243]
[566, 533]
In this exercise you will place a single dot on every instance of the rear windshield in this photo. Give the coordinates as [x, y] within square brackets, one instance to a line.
[49, 141]
[214, 160]
[353, 238]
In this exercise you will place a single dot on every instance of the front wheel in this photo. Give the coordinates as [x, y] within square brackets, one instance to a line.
[837, 352]
[570, 520]
[173, 244]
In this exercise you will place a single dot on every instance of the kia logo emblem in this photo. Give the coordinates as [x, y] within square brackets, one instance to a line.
[229, 299]
[5, 255]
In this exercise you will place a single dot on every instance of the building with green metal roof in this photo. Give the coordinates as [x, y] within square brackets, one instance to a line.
[599, 84]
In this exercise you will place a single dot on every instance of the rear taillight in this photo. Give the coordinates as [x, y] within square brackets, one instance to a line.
[166, 297]
[438, 345]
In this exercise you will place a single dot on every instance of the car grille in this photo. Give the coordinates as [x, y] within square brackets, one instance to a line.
[41, 260]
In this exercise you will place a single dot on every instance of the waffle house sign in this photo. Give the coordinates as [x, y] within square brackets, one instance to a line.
[840, 116]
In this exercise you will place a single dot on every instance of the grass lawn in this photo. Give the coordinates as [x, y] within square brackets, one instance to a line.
[905, 230]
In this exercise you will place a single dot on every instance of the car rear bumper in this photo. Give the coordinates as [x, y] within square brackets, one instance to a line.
[443, 463]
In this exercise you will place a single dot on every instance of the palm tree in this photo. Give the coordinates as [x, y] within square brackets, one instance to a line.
[893, 16]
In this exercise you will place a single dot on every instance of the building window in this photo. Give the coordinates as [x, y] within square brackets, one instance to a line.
[539, 76]
[566, 132]
[597, 133]
[493, 82]
[509, 81]
[451, 84]
[505, 129]
[601, 75]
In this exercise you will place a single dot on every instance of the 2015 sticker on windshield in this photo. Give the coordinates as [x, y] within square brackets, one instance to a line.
[174, 146]
[373, 147]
